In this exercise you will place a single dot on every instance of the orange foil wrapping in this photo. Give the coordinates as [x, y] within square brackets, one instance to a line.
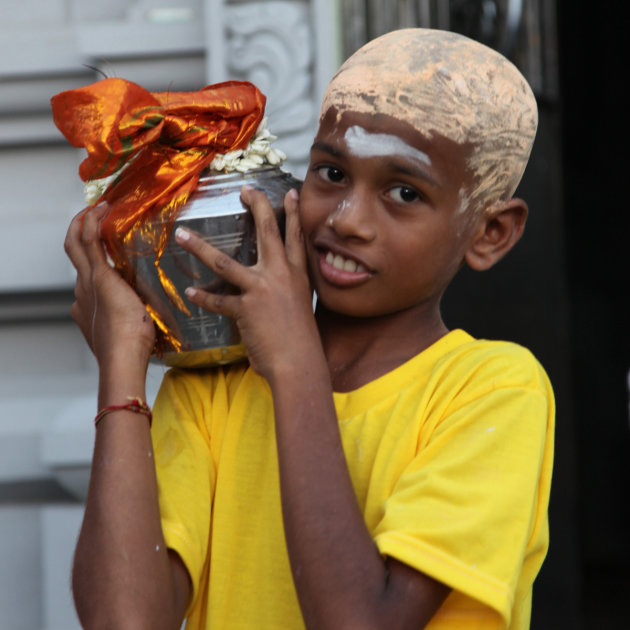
[164, 140]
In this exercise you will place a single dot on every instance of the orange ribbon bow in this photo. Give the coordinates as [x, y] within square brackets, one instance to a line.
[165, 139]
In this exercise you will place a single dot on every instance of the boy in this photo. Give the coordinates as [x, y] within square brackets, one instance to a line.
[369, 468]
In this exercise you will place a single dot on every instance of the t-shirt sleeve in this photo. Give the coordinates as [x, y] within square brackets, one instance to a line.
[183, 413]
[470, 509]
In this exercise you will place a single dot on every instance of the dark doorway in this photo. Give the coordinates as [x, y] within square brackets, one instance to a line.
[563, 293]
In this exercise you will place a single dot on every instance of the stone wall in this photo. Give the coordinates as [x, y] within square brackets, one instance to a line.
[47, 376]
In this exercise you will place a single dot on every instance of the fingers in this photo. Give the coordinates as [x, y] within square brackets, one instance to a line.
[83, 242]
[222, 265]
[294, 238]
[216, 260]
[82, 306]
[222, 304]
[91, 236]
[272, 252]
[73, 246]
[268, 237]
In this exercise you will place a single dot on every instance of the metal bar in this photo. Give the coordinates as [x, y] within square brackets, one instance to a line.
[513, 19]
[443, 14]
[424, 13]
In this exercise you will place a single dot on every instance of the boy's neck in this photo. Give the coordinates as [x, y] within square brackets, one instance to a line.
[359, 350]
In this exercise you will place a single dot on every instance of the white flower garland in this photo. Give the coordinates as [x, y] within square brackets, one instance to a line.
[257, 154]
[94, 188]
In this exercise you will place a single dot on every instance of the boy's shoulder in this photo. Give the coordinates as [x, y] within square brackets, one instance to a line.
[459, 345]
[491, 364]
[467, 347]
[481, 347]
[455, 369]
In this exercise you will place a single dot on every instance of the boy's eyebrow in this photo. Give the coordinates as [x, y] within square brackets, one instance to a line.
[326, 148]
[396, 165]
[417, 170]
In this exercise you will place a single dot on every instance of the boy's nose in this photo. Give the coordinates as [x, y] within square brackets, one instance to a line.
[353, 217]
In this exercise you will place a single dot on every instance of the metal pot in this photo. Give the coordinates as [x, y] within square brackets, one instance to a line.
[216, 211]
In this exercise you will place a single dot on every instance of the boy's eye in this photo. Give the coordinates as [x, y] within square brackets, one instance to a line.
[330, 174]
[403, 194]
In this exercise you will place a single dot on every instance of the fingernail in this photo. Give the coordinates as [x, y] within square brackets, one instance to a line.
[181, 234]
[293, 193]
[191, 292]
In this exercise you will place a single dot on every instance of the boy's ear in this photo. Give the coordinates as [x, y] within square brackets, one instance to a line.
[499, 229]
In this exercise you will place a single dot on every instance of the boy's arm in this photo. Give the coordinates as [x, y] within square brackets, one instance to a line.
[341, 579]
[123, 575]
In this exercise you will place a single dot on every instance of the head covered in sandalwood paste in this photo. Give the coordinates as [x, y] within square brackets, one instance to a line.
[446, 84]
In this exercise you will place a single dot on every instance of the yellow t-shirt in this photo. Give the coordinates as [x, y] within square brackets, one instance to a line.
[450, 455]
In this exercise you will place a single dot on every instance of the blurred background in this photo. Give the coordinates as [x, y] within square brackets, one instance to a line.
[562, 292]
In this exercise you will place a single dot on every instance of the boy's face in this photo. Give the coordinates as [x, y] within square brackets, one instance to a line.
[383, 214]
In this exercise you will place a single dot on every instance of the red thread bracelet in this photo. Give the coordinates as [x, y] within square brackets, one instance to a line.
[137, 405]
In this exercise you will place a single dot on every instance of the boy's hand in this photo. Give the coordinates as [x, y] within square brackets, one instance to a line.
[109, 313]
[274, 309]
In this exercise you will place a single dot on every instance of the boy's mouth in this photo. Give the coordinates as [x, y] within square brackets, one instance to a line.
[342, 271]
[344, 264]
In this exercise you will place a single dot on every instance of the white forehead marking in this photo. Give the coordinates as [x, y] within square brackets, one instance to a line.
[364, 144]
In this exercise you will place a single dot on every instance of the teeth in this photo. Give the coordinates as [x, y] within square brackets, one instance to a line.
[345, 264]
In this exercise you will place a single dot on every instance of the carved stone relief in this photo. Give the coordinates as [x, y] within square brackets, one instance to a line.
[271, 45]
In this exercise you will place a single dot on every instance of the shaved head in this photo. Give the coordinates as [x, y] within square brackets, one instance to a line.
[446, 84]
